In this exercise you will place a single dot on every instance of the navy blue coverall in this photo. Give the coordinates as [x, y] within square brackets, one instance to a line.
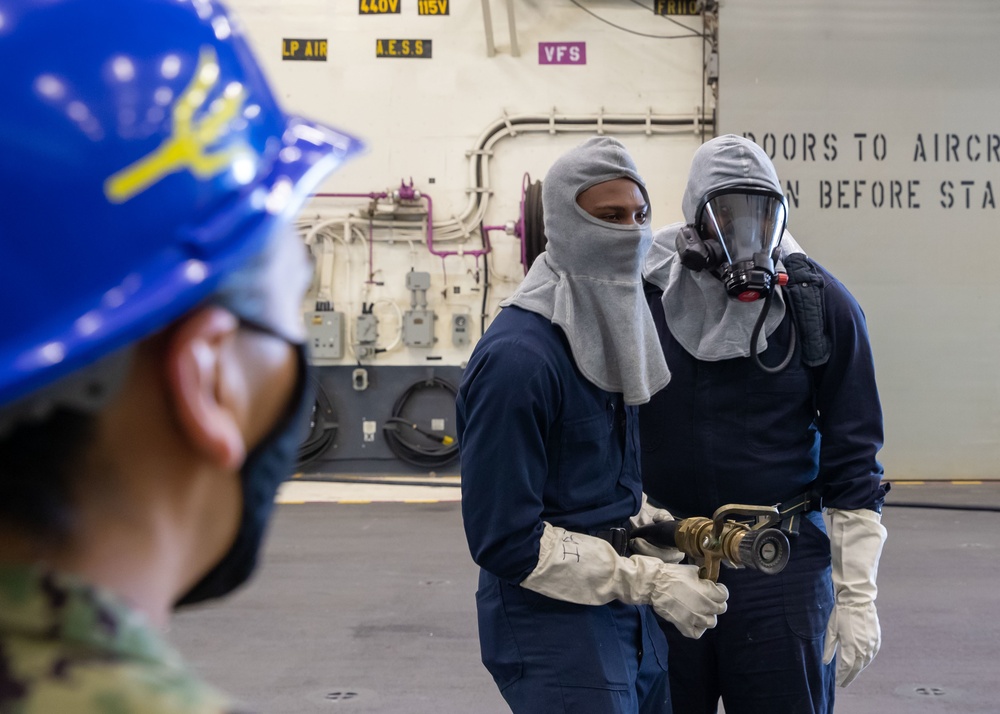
[541, 443]
[727, 432]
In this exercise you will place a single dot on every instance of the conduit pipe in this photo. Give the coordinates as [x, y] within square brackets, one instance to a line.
[491, 49]
[479, 190]
[510, 126]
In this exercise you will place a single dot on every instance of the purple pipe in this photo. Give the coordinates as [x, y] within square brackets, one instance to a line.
[408, 193]
[351, 195]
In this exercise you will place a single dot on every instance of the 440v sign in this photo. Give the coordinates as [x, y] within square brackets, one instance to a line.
[378, 7]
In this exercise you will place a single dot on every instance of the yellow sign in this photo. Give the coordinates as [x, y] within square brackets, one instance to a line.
[403, 48]
[314, 50]
[189, 141]
[678, 7]
[432, 7]
[378, 7]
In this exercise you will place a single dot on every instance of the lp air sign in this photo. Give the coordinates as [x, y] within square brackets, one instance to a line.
[562, 53]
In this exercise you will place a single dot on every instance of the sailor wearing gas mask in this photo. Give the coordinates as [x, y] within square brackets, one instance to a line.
[547, 422]
[773, 395]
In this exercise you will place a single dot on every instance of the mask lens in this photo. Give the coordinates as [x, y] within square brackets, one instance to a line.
[744, 222]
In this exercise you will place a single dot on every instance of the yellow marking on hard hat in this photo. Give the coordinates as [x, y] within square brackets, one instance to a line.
[187, 146]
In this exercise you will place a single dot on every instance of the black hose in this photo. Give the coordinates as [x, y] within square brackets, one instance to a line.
[379, 481]
[534, 223]
[323, 427]
[486, 282]
[942, 506]
[410, 451]
[756, 333]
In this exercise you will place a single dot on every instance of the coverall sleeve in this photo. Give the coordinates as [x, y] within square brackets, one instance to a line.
[849, 411]
[505, 411]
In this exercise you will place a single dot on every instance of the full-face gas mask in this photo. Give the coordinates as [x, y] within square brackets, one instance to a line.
[735, 236]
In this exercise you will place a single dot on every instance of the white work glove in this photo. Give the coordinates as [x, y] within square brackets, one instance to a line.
[856, 540]
[586, 570]
[650, 514]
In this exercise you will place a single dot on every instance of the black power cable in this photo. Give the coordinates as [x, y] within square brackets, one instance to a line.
[323, 427]
[486, 294]
[942, 506]
[409, 450]
[634, 32]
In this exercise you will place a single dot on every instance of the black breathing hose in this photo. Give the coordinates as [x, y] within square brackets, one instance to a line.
[756, 333]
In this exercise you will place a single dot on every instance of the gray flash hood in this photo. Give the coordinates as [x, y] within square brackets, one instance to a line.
[708, 323]
[588, 281]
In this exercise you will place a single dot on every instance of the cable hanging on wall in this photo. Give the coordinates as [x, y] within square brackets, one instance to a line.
[323, 427]
[417, 449]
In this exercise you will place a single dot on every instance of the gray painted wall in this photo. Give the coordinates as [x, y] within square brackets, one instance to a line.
[874, 84]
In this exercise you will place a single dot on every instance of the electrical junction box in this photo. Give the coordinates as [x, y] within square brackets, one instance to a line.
[418, 328]
[366, 329]
[460, 330]
[418, 280]
[326, 334]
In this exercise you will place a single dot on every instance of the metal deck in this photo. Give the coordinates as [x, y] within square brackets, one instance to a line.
[369, 606]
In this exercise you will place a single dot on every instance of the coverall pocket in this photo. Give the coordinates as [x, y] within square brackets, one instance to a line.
[587, 469]
[586, 646]
[776, 406]
[807, 584]
[498, 647]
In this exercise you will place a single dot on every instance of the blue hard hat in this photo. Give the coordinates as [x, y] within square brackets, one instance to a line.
[142, 157]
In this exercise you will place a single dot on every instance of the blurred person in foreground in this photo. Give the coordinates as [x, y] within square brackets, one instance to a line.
[152, 359]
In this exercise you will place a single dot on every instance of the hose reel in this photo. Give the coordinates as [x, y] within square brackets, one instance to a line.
[531, 227]
[413, 443]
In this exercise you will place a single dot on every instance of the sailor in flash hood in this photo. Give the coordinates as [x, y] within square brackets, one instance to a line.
[548, 428]
[588, 281]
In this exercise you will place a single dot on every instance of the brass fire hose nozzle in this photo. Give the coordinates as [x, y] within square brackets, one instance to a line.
[711, 541]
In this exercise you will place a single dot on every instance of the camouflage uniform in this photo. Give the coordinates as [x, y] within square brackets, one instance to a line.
[68, 648]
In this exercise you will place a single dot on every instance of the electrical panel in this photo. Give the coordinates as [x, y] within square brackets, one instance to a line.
[418, 281]
[418, 328]
[366, 329]
[460, 330]
[418, 323]
[326, 334]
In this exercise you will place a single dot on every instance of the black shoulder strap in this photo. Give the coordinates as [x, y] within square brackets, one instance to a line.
[805, 296]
